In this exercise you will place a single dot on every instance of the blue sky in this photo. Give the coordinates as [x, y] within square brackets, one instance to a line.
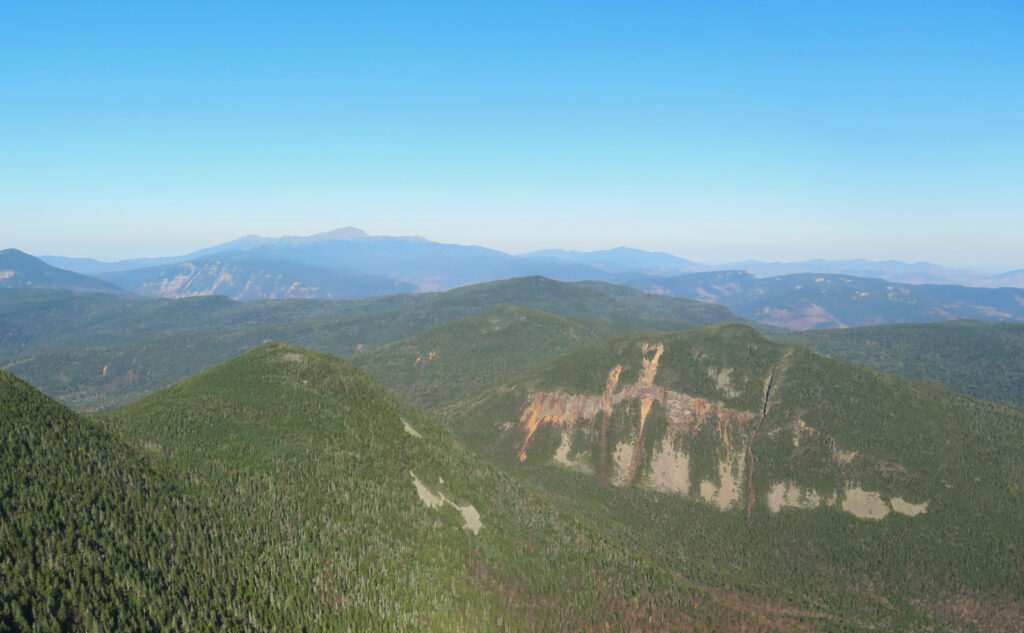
[715, 131]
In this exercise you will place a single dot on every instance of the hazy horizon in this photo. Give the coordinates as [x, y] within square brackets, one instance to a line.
[193, 247]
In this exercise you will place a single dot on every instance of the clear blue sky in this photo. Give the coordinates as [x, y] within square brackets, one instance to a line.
[715, 131]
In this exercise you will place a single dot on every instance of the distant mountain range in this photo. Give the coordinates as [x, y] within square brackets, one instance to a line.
[349, 251]
[436, 266]
[348, 263]
[628, 260]
[806, 301]
[623, 260]
[890, 270]
[88, 266]
[244, 276]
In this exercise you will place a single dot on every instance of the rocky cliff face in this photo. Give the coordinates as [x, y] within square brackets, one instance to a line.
[696, 420]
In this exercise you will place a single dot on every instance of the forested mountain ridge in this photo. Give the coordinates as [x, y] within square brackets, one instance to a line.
[37, 320]
[93, 352]
[457, 360]
[982, 360]
[829, 469]
[375, 517]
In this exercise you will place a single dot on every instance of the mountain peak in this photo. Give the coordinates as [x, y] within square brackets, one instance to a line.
[347, 233]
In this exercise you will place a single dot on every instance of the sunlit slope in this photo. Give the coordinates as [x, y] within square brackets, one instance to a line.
[768, 466]
[92, 538]
[374, 517]
[457, 360]
[983, 360]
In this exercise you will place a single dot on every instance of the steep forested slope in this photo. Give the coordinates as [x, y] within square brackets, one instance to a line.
[92, 538]
[368, 515]
[757, 465]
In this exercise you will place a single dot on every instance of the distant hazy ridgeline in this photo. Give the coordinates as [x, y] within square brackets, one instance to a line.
[91, 351]
[819, 300]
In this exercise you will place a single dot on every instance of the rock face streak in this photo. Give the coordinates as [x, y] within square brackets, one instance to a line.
[751, 458]
[691, 425]
[645, 385]
[683, 413]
